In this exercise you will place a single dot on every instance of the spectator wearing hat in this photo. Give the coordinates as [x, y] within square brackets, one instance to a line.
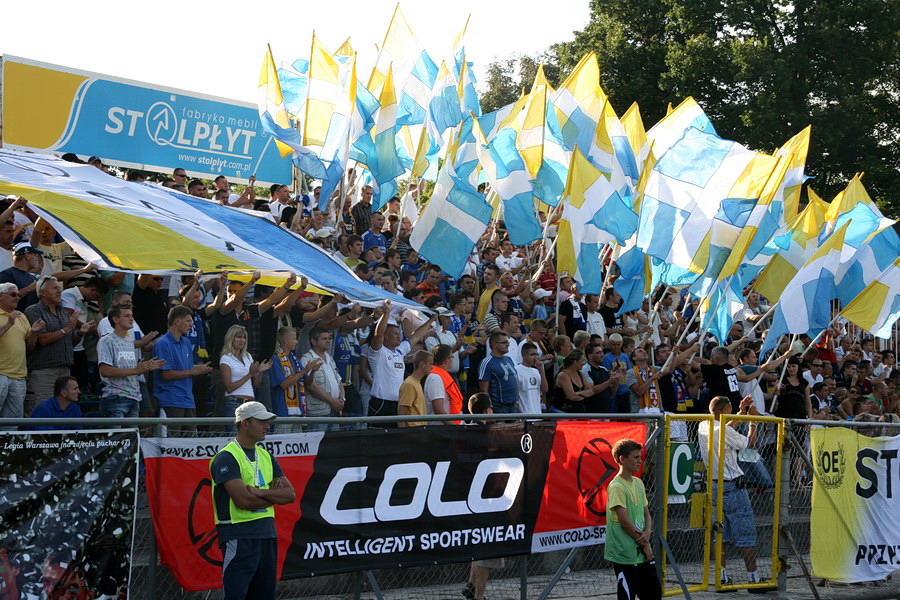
[27, 262]
[247, 484]
[96, 162]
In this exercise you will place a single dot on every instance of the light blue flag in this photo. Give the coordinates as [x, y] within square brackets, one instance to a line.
[366, 106]
[873, 257]
[416, 92]
[470, 101]
[453, 220]
[723, 298]
[865, 219]
[509, 178]
[293, 90]
[632, 281]
[550, 181]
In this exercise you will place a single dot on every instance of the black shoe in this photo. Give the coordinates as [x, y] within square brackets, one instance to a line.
[469, 592]
[726, 581]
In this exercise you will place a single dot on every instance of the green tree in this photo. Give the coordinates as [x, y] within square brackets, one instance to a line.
[763, 70]
[499, 86]
[507, 79]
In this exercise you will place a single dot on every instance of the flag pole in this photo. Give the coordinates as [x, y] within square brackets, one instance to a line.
[608, 250]
[543, 263]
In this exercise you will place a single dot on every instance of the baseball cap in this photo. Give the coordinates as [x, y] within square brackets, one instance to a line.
[252, 410]
[25, 248]
[325, 232]
[444, 312]
[541, 293]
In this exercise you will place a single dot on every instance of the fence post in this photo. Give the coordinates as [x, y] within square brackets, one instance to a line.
[523, 578]
[784, 506]
[660, 477]
[152, 565]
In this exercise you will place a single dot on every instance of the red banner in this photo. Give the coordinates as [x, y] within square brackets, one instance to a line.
[374, 499]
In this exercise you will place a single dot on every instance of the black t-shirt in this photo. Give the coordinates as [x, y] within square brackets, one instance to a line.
[599, 402]
[609, 317]
[22, 279]
[225, 468]
[151, 309]
[667, 393]
[792, 400]
[573, 311]
[722, 381]
[219, 325]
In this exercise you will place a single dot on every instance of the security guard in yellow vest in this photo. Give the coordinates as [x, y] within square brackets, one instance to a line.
[247, 483]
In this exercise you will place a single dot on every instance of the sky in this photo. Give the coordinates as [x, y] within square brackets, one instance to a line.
[216, 48]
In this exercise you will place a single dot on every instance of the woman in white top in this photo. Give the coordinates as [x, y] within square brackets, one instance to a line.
[239, 371]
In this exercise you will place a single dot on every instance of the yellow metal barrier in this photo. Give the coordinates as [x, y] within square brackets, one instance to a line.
[700, 504]
[720, 509]
[702, 515]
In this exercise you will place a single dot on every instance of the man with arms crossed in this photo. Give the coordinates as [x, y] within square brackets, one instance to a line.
[247, 484]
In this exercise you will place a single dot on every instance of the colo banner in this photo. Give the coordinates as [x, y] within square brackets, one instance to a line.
[47, 108]
[67, 507]
[855, 533]
[377, 499]
[138, 227]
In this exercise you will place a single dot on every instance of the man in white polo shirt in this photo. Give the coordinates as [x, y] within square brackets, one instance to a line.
[386, 352]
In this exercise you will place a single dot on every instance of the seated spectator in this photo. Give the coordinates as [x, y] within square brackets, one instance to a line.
[63, 405]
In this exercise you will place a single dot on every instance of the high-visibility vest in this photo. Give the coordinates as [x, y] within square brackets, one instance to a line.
[249, 476]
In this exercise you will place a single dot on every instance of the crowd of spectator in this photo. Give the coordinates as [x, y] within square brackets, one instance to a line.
[121, 344]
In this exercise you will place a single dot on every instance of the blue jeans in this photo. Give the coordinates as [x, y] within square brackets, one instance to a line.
[231, 404]
[119, 407]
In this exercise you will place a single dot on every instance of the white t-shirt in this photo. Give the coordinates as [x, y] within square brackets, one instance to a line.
[447, 338]
[72, 298]
[807, 375]
[595, 323]
[434, 389]
[6, 259]
[104, 327]
[387, 371]
[238, 370]
[529, 380]
[508, 264]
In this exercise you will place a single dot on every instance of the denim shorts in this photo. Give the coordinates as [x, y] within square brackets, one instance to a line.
[740, 524]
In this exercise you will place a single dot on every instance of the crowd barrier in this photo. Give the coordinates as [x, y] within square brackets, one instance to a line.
[680, 491]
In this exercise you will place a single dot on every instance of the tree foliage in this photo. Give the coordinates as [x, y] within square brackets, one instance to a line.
[763, 70]
[508, 78]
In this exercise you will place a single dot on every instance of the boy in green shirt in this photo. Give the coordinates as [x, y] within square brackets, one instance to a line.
[628, 528]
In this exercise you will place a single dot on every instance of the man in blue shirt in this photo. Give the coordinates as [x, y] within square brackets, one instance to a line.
[616, 360]
[373, 236]
[172, 384]
[63, 405]
[497, 375]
